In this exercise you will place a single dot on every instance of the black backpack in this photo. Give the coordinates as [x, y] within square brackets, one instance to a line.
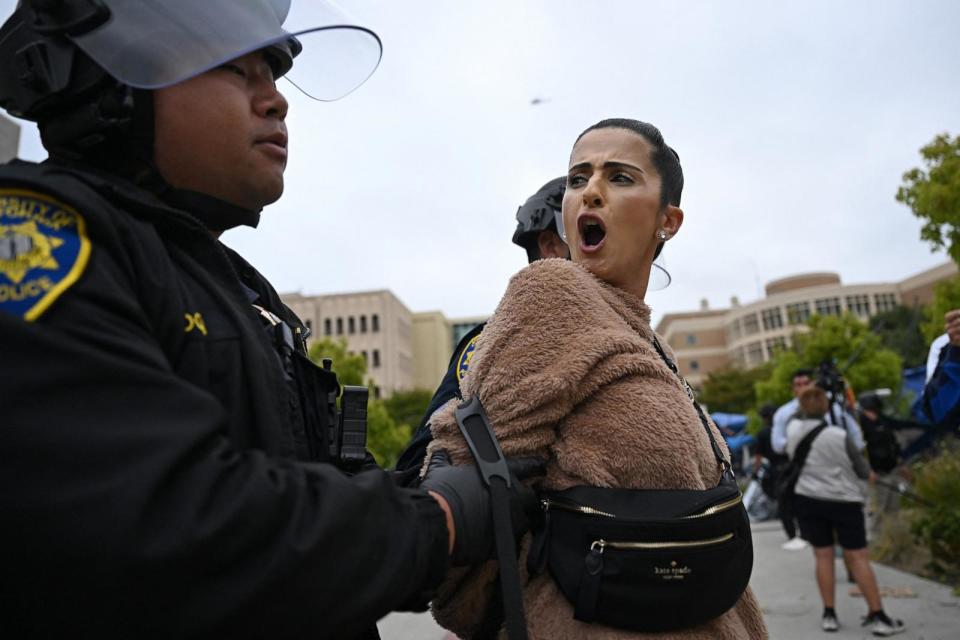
[883, 448]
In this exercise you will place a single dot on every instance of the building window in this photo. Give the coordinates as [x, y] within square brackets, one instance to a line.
[733, 331]
[885, 302]
[376, 392]
[739, 356]
[691, 338]
[363, 324]
[776, 345]
[351, 325]
[309, 325]
[859, 304]
[750, 325]
[694, 365]
[828, 306]
[376, 358]
[339, 326]
[754, 353]
[327, 328]
[375, 323]
[772, 318]
[798, 312]
[365, 358]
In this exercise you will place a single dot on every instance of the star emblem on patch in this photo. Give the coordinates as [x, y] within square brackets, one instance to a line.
[44, 250]
[23, 247]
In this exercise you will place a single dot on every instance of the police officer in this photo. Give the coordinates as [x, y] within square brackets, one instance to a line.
[537, 233]
[167, 468]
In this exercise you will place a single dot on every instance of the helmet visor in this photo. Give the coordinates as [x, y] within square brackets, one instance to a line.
[151, 44]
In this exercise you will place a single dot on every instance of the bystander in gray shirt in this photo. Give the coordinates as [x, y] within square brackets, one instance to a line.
[835, 468]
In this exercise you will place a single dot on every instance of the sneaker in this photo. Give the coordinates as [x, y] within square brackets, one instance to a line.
[880, 624]
[797, 544]
[829, 622]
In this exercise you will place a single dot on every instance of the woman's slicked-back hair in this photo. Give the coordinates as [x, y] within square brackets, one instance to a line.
[664, 158]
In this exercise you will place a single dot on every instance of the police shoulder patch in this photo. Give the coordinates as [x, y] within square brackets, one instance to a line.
[44, 249]
[463, 361]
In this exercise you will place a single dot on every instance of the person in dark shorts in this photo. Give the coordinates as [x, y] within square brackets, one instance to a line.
[830, 493]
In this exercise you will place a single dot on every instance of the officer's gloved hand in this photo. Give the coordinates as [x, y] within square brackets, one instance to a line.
[464, 490]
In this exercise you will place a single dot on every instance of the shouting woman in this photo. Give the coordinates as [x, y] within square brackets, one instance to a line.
[568, 369]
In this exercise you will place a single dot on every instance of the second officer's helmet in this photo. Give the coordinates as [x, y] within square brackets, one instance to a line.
[73, 65]
[539, 213]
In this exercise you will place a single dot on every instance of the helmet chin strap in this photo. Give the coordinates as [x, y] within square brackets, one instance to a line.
[127, 150]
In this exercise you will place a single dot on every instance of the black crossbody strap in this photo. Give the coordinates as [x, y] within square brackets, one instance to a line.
[492, 467]
[717, 452]
[803, 449]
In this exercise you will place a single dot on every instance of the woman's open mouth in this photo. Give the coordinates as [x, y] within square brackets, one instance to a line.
[592, 232]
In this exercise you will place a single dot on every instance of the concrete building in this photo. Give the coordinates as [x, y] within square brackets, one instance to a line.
[748, 335]
[375, 324]
[9, 139]
[403, 350]
[432, 334]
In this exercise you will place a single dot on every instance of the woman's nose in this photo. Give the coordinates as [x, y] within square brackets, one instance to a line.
[592, 196]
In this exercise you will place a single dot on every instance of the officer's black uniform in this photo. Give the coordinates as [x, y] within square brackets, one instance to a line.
[412, 457]
[151, 421]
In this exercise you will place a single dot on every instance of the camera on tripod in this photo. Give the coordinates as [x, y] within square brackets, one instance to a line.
[829, 379]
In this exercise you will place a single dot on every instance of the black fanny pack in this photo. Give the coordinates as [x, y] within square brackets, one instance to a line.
[644, 559]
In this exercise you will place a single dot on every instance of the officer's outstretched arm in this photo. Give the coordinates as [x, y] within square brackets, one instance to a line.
[130, 512]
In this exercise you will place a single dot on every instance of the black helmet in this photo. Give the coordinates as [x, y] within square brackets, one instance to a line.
[538, 213]
[870, 401]
[76, 63]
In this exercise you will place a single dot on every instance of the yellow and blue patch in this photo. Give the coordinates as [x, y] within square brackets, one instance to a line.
[463, 362]
[44, 249]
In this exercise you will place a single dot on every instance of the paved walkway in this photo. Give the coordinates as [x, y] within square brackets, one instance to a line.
[785, 585]
[787, 590]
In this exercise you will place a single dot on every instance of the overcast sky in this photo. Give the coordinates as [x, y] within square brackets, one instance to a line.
[794, 123]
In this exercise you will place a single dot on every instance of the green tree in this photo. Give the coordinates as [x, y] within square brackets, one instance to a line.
[732, 390]
[350, 367]
[933, 193]
[385, 437]
[946, 297]
[844, 340]
[899, 331]
[776, 388]
[408, 407]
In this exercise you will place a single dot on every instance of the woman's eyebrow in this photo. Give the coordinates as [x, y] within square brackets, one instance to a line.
[612, 164]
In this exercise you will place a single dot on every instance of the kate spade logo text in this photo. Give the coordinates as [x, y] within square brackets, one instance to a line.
[673, 572]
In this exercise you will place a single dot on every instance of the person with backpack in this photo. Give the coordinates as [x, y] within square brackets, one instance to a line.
[828, 499]
[777, 463]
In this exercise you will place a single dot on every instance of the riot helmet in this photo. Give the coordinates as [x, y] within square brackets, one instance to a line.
[870, 401]
[76, 66]
[539, 213]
